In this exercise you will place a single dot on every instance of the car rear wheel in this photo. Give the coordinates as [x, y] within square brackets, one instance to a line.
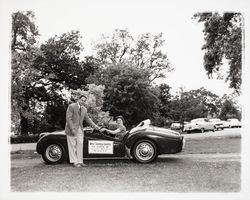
[54, 153]
[144, 151]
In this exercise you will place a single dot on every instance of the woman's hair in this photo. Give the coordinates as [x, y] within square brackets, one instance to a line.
[120, 117]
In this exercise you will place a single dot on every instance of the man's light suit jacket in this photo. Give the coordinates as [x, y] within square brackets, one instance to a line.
[74, 119]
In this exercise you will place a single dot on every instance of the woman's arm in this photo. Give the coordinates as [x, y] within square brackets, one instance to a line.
[114, 132]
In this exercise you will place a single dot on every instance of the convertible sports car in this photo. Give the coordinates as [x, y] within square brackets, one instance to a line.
[142, 144]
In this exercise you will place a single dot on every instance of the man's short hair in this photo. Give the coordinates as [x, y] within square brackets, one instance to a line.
[76, 96]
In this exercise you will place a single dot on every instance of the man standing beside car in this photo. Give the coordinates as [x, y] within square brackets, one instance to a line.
[75, 115]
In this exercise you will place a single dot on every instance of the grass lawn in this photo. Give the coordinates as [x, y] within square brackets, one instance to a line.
[194, 170]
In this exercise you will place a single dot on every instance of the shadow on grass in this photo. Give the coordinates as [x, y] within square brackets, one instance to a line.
[110, 163]
[169, 160]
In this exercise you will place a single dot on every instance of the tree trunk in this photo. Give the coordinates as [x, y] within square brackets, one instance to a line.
[24, 125]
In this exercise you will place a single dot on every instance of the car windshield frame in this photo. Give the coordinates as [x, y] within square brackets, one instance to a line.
[141, 126]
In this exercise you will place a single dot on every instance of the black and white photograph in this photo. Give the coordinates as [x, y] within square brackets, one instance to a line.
[124, 99]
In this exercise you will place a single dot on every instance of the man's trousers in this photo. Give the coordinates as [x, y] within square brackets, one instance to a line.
[75, 147]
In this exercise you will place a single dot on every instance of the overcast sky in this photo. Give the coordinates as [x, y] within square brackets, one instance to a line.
[183, 35]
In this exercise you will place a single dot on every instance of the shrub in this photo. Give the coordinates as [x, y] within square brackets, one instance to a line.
[15, 139]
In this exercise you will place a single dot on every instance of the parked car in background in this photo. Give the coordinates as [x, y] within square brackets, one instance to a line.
[176, 126]
[225, 124]
[233, 122]
[219, 125]
[199, 124]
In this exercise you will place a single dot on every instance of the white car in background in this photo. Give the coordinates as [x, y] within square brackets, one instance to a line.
[225, 124]
[176, 126]
[217, 123]
[199, 124]
[233, 122]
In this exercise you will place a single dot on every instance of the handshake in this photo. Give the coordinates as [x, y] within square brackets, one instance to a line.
[103, 129]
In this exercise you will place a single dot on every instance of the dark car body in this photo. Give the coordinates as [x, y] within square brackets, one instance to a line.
[142, 143]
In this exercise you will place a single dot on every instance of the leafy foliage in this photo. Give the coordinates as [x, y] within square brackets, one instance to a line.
[129, 94]
[194, 104]
[223, 38]
[144, 52]
[24, 30]
[23, 76]
[42, 75]
[59, 64]
[117, 80]
[61, 71]
[95, 95]
[229, 108]
[165, 100]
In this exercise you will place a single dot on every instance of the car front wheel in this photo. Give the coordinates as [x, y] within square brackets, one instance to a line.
[54, 153]
[144, 151]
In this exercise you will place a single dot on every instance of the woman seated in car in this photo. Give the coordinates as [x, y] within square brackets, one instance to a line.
[121, 129]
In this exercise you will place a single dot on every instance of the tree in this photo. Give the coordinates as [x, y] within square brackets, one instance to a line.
[148, 55]
[54, 116]
[229, 108]
[128, 93]
[60, 71]
[42, 75]
[187, 107]
[24, 78]
[94, 104]
[60, 65]
[114, 49]
[223, 39]
[24, 31]
[194, 104]
[23, 75]
[145, 52]
[165, 99]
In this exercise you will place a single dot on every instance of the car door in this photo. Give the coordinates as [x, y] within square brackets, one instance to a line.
[207, 124]
[100, 145]
[202, 124]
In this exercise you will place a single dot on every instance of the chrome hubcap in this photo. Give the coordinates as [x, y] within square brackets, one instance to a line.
[53, 152]
[144, 151]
